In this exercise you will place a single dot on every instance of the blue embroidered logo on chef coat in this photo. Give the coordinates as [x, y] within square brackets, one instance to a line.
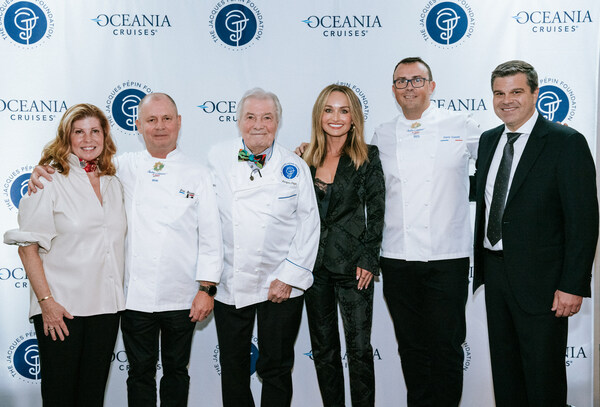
[289, 170]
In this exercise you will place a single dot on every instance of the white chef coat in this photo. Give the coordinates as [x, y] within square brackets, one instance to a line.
[270, 224]
[426, 168]
[81, 242]
[174, 233]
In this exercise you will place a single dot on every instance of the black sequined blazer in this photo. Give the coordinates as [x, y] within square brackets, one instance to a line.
[351, 231]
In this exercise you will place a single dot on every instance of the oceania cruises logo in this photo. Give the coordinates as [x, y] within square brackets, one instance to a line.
[460, 105]
[447, 24]
[23, 358]
[556, 100]
[15, 186]
[556, 21]
[362, 97]
[224, 110]
[26, 23]
[237, 25]
[122, 104]
[125, 24]
[343, 26]
[33, 110]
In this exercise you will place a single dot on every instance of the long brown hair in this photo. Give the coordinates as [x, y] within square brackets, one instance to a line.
[355, 146]
[56, 153]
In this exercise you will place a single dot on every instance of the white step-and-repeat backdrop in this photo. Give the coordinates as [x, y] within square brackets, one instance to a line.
[206, 54]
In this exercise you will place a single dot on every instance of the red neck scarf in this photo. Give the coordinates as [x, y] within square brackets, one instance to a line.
[89, 166]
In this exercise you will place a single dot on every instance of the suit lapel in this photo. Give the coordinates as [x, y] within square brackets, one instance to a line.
[340, 181]
[533, 148]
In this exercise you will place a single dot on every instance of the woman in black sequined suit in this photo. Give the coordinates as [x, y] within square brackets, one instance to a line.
[350, 190]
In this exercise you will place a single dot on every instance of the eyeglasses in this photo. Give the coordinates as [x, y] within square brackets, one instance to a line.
[402, 83]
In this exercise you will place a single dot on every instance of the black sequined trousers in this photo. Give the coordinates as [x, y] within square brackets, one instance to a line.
[356, 307]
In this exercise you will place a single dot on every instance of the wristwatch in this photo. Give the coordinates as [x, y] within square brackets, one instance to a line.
[211, 290]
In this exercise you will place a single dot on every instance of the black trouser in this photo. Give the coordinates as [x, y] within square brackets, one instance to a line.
[278, 326]
[527, 350]
[140, 337]
[74, 371]
[427, 303]
[356, 307]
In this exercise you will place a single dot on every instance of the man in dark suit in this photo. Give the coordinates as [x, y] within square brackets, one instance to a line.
[536, 229]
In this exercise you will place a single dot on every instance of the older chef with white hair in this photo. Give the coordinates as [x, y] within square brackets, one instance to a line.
[270, 227]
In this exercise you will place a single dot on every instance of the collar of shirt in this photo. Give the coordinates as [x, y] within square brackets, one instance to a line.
[75, 168]
[430, 109]
[525, 129]
[173, 154]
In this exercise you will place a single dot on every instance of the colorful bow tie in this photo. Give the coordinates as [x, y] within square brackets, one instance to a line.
[259, 159]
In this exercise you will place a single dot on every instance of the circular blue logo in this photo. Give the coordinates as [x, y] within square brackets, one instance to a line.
[289, 171]
[18, 188]
[553, 103]
[447, 23]
[253, 358]
[25, 22]
[125, 108]
[27, 359]
[236, 25]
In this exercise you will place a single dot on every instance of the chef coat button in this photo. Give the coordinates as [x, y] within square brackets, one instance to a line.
[237, 247]
[256, 269]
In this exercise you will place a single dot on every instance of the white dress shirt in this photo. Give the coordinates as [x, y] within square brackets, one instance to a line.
[81, 241]
[270, 224]
[174, 234]
[426, 168]
[518, 148]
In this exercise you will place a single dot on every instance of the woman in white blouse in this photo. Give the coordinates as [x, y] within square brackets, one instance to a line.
[71, 241]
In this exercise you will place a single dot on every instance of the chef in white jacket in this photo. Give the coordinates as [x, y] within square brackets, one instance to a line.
[270, 228]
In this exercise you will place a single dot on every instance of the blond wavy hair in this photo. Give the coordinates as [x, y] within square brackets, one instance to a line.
[56, 153]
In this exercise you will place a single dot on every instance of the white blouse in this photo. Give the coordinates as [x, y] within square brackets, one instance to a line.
[81, 242]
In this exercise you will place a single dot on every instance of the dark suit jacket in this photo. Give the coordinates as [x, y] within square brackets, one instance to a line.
[550, 223]
[348, 239]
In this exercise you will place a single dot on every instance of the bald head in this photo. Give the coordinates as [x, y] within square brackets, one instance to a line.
[159, 124]
[155, 96]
